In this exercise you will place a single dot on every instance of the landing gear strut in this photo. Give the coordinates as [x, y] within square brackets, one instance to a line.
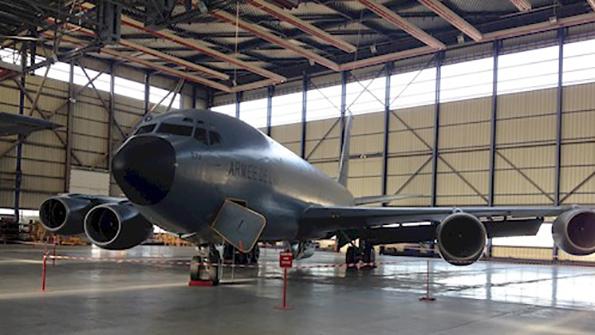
[204, 268]
[364, 253]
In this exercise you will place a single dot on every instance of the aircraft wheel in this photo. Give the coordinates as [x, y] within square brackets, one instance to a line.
[200, 270]
[369, 257]
[351, 256]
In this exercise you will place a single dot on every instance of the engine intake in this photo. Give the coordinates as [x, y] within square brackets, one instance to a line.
[64, 214]
[574, 231]
[461, 239]
[116, 226]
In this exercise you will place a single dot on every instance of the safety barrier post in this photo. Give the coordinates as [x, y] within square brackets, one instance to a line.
[54, 250]
[427, 297]
[285, 262]
[43, 271]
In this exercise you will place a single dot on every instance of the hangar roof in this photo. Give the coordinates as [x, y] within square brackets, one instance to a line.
[233, 46]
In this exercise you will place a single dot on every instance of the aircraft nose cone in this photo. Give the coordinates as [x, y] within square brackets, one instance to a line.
[144, 169]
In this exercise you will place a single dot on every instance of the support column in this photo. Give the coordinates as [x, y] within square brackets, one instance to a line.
[305, 80]
[493, 123]
[388, 69]
[435, 149]
[559, 110]
[147, 91]
[110, 121]
[69, 126]
[344, 76]
[19, 149]
[270, 93]
[193, 102]
[238, 102]
[209, 103]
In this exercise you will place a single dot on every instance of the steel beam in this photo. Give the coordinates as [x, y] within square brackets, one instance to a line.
[302, 25]
[453, 18]
[435, 149]
[305, 82]
[493, 129]
[274, 39]
[385, 150]
[343, 106]
[193, 97]
[270, 93]
[110, 118]
[19, 154]
[393, 18]
[493, 123]
[559, 108]
[147, 83]
[69, 127]
[238, 103]
[522, 5]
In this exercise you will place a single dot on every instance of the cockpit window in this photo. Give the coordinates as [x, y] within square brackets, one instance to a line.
[200, 134]
[145, 129]
[175, 129]
[214, 137]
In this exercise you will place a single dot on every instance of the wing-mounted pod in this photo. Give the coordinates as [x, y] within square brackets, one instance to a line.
[461, 238]
[64, 214]
[116, 226]
[574, 231]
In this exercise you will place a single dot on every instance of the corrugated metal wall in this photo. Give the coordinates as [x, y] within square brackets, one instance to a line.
[44, 153]
[525, 142]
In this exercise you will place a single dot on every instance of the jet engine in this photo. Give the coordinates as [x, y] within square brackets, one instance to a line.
[64, 214]
[574, 231]
[116, 226]
[461, 238]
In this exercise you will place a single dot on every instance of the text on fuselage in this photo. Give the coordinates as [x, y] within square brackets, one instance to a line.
[250, 171]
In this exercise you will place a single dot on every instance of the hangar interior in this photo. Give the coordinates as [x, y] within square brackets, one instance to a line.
[454, 103]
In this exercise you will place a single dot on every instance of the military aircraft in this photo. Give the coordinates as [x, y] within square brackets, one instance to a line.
[213, 179]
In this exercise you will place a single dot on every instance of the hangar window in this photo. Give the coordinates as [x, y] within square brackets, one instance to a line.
[254, 112]
[200, 134]
[323, 103]
[366, 96]
[145, 129]
[528, 70]
[411, 89]
[174, 129]
[229, 109]
[579, 63]
[467, 80]
[287, 109]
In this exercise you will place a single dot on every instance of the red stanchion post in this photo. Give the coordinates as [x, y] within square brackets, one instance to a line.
[284, 305]
[427, 297]
[54, 251]
[43, 271]
[285, 262]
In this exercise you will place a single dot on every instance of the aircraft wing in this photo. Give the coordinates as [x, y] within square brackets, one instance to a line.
[341, 218]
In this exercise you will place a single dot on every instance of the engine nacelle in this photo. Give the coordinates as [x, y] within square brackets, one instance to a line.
[461, 238]
[574, 231]
[64, 214]
[116, 226]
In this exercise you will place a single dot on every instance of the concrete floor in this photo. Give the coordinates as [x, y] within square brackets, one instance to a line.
[85, 297]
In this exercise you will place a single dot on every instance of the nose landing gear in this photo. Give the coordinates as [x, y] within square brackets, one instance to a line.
[204, 268]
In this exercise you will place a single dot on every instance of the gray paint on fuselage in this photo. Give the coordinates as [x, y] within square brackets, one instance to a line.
[246, 166]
